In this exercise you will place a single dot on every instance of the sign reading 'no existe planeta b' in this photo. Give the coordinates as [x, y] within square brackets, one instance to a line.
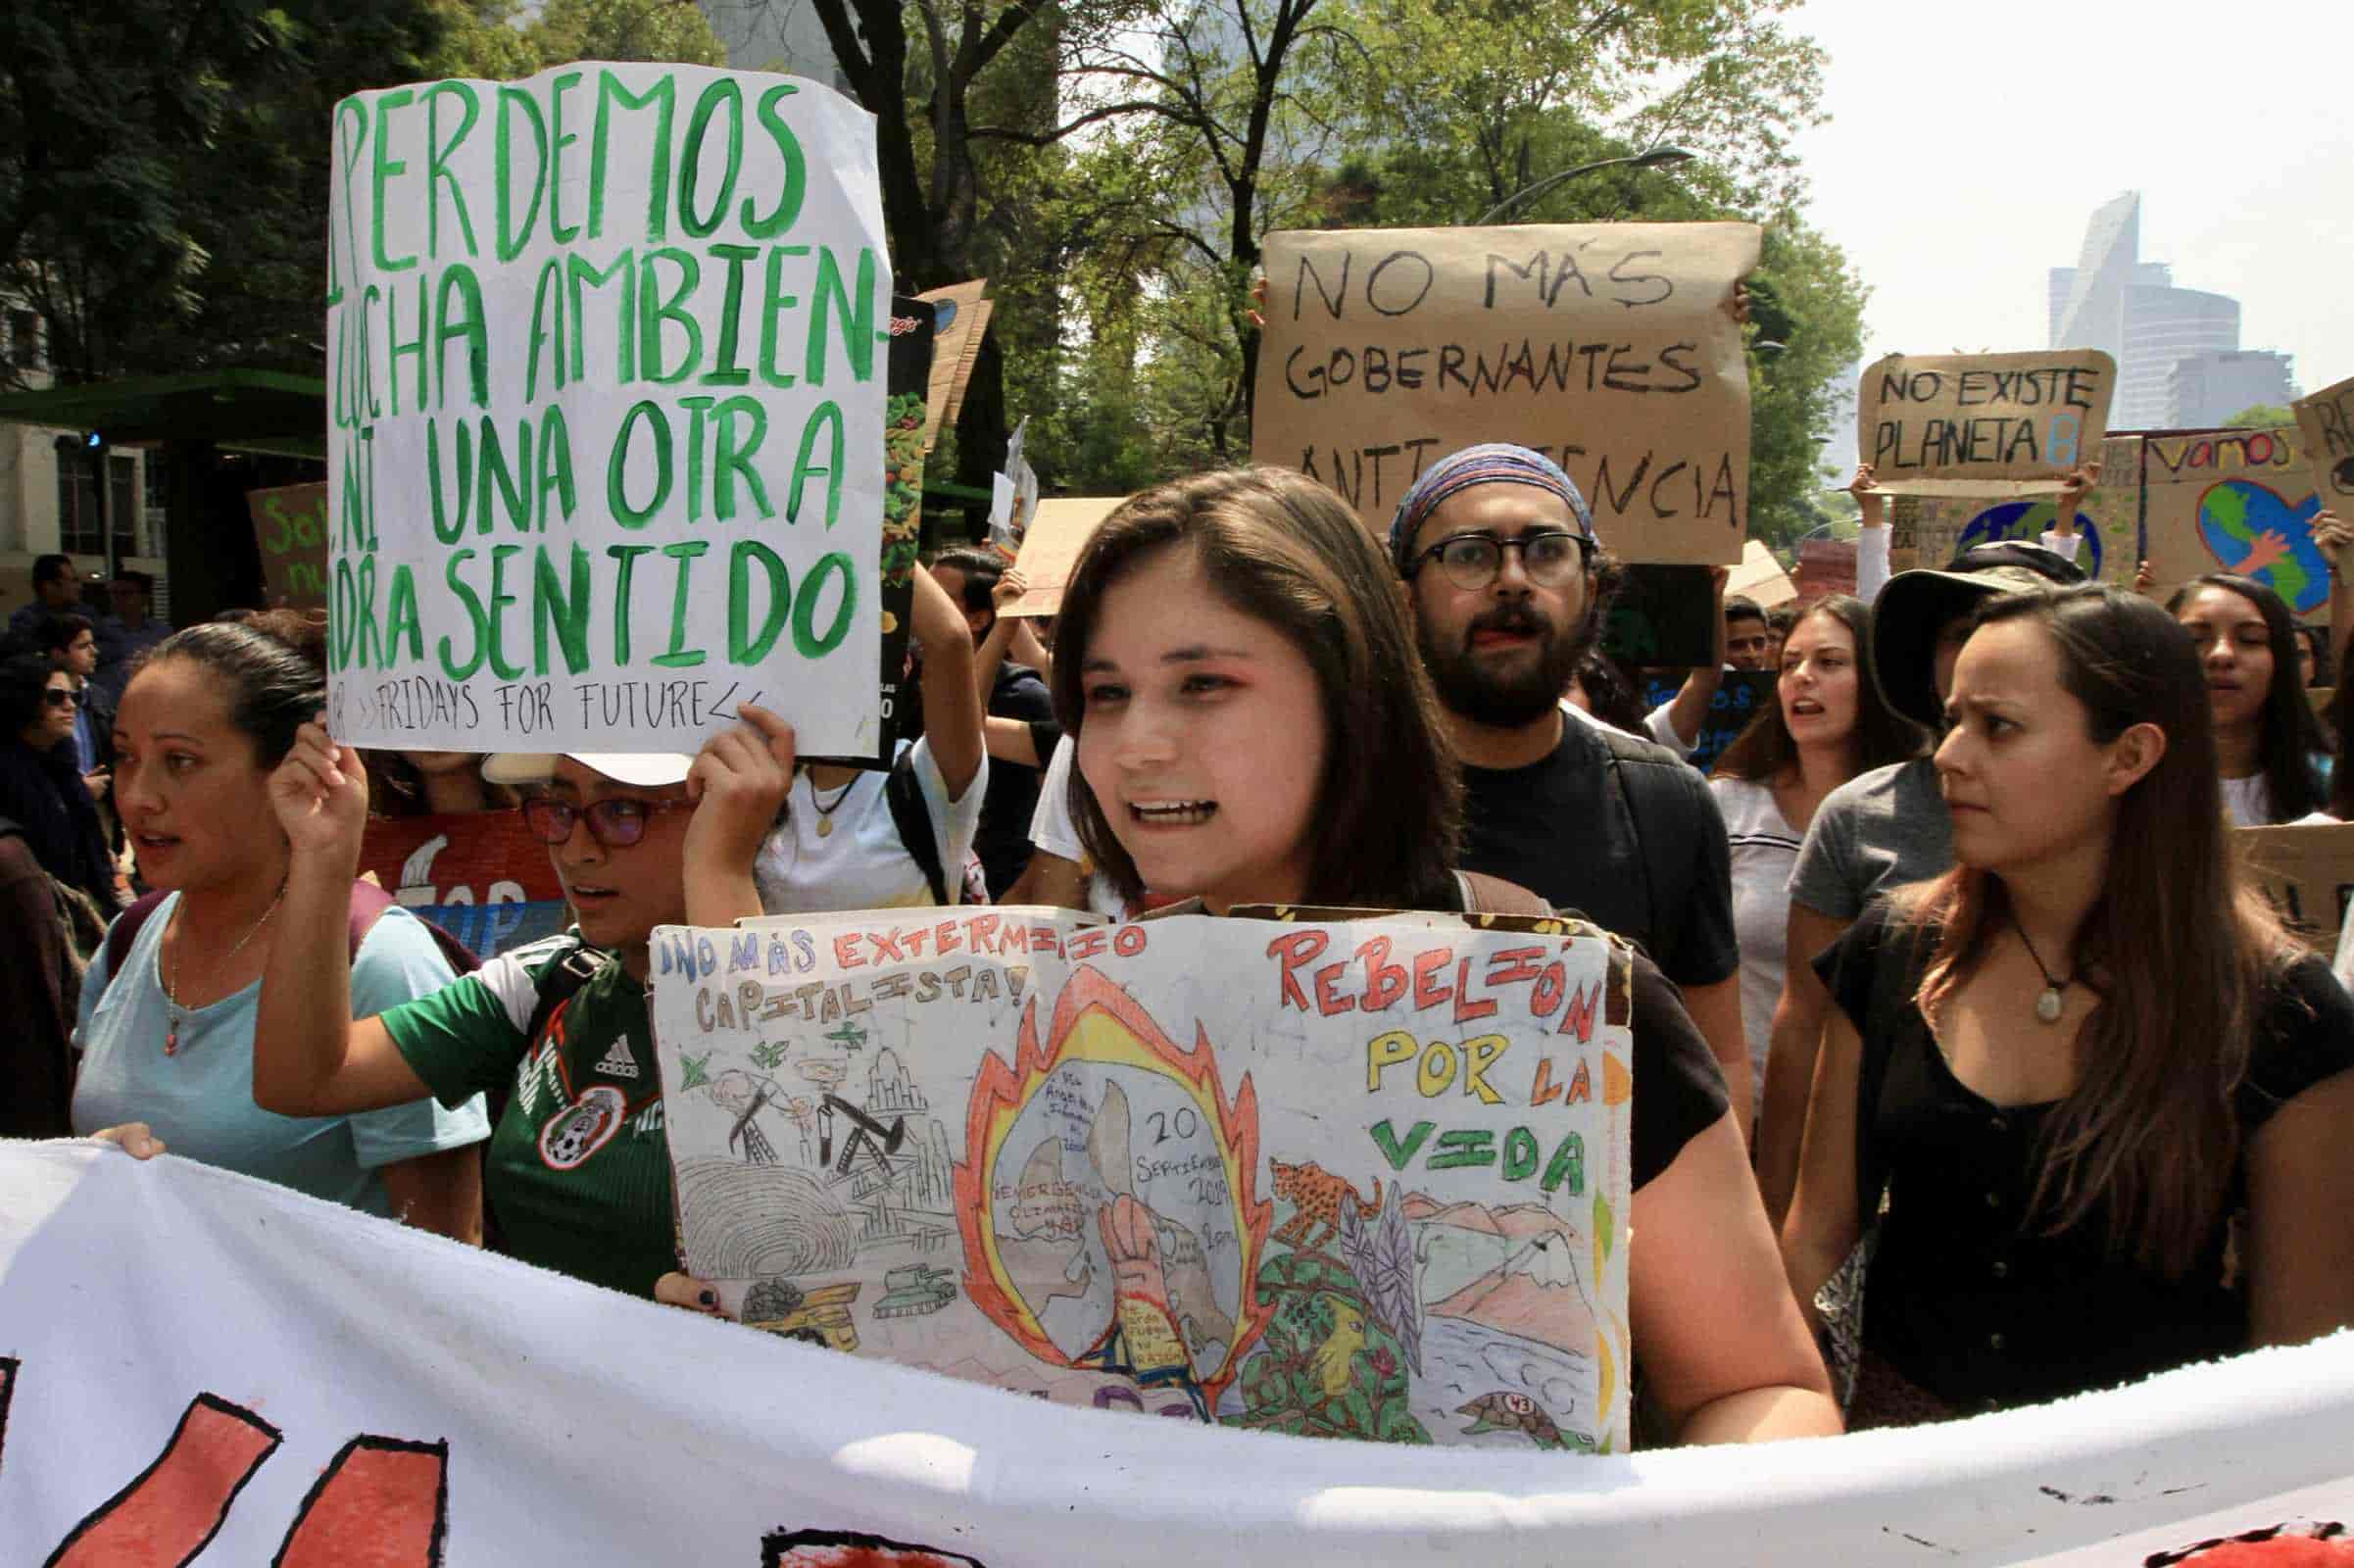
[1983, 424]
[1609, 347]
[609, 358]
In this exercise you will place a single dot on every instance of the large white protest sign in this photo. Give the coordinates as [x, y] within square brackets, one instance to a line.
[198, 1365]
[608, 363]
[1364, 1179]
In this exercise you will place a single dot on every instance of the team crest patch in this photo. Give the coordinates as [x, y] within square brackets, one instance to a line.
[581, 1128]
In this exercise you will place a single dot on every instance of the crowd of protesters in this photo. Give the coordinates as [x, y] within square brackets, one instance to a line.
[1950, 998]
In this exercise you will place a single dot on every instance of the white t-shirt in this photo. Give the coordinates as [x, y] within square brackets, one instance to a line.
[1662, 730]
[2248, 801]
[1871, 563]
[1052, 830]
[862, 863]
[1764, 851]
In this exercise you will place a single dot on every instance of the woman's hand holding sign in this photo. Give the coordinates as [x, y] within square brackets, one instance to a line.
[319, 793]
[741, 776]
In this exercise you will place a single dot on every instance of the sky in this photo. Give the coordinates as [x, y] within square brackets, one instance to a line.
[1970, 143]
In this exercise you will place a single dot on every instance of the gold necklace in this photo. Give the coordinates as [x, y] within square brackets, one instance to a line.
[171, 1007]
[826, 813]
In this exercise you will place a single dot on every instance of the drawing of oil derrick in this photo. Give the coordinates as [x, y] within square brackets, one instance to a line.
[747, 1095]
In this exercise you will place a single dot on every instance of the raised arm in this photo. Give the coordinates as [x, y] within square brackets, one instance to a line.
[989, 656]
[2333, 535]
[1688, 710]
[310, 1058]
[1872, 535]
[741, 776]
[952, 707]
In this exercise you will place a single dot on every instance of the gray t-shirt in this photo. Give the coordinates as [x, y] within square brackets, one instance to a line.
[1878, 831]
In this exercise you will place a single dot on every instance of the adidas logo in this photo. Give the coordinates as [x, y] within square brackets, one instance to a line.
[618, 1062]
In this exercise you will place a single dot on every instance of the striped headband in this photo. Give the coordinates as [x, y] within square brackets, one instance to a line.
[1495, 463]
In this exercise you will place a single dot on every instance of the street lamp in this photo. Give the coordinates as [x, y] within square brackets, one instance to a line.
[1656, 158]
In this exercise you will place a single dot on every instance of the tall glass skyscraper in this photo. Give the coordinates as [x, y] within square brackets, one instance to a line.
[2114, 301]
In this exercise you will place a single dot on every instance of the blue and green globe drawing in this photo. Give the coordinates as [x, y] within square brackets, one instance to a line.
[2234, 514]
[2028, 521]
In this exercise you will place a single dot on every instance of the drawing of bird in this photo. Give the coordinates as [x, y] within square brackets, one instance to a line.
[1328, 1364]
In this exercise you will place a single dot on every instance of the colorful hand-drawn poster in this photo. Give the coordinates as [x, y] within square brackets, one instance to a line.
[1361, 1180]
[480, 876]
[1609, 347]
[1929, 531]
[605, 442]
[1983, 424]
[2241, 500]
[290, 529]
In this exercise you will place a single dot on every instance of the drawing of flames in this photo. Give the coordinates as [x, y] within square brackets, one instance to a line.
[1096, 1022]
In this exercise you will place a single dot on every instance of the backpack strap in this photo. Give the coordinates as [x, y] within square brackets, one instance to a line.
[914, 820]
[126, 930]
[559, 982]
[1493, 894]
[369, 903]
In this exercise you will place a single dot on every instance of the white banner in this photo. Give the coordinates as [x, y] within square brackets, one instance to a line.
[187, 1356]
[606, 444]
[1360, 1179]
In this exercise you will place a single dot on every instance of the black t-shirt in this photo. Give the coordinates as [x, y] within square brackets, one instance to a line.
[1653, 867]
[1678, 1088]
[1002, 841]
[1963, 1298]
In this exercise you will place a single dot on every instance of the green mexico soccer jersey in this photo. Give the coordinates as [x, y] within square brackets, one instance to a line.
[579, 1173]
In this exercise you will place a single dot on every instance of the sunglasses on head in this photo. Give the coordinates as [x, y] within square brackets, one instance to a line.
[60, 697]
[616, 824]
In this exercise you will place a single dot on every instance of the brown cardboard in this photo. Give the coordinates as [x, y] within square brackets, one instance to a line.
[2224, 475]
[1930, 530]
[949, 354]
[1608, 347]
[290, 528]
[1052, 547]
[2325, 422]
[1983, 424]
[1759, 576]
[964, 363]
[2307, 872]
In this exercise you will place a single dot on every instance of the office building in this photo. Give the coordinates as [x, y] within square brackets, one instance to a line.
[2206, 389]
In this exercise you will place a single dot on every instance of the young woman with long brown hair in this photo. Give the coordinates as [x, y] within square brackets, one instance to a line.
[1254, 724]
[2072, 1062]
[1827, 724]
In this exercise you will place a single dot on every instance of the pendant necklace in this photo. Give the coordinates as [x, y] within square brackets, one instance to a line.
[826, 813]
[2048, 1005]
[171, 1007]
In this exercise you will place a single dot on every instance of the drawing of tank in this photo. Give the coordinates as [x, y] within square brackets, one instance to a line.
[819, 1316]
[914, 1291]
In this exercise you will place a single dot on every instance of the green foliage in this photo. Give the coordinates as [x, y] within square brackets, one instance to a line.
[2261, 416]
[1286, 1383]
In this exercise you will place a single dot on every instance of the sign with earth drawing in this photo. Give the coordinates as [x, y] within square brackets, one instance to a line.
[2239, 501]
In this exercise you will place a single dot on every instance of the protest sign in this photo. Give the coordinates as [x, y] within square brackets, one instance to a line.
[260, 1377]
[960, 316]
[2241, 500]
[1759, 576]
[1741, 696]
[2308, 874]
[1662, 615]
[290, 529]
[1983, 424]
[1059, 530]
[606, 443]
[1929, 531]
[1608, 347]
[2325, 422]
[480, 877]
[1826, 567]
[1110, 1165]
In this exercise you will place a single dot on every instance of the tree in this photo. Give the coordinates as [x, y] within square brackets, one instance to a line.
[2261, 416]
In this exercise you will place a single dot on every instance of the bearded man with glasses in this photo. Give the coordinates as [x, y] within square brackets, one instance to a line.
[1509, 586]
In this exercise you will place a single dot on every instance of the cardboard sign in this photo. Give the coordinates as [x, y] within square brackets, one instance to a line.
[605, 442]
[2241, 500]
[1741, 696]
[1662, 616]
[1759, 576]
[1983, 424]
[290, 529]
[478, 876]
[2308, 874]
[1929, 531]
[1051, 548]
[2325, 422]
[1199, 1167]
[960, 316]
[1610, 348]
[1826, 567]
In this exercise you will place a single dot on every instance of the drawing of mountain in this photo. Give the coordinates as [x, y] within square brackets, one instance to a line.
[1418, 1206]
[1518, 1222]
[1468, 1217]
[1534, 1294]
